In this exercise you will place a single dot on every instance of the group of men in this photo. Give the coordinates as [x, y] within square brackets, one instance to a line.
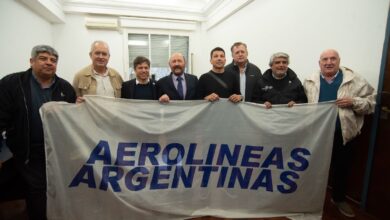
[23, 93]
[237, 81]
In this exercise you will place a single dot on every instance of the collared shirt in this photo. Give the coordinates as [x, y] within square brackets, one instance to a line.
[103, 84]
[332, 79]
[242, 79]
[43, 87]
[183, 82]
[39, 96]
[138, 82]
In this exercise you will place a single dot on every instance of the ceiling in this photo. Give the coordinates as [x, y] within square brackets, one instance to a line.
[209, 11]
[199, 6]
[196, 10]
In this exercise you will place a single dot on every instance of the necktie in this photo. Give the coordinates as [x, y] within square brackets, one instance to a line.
[180, 87]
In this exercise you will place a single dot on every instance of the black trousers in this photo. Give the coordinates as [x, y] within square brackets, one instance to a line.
[33, 175]
[11, 184]
[341, 158]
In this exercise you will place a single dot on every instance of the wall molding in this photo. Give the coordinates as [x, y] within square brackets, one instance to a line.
[150, 23]
[50, 10]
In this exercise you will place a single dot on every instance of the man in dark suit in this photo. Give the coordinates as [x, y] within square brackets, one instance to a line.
[248, 73]
[177, 85]
[142, 87]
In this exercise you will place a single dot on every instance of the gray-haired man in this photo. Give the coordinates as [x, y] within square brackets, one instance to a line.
[280, 84]
[21, 96]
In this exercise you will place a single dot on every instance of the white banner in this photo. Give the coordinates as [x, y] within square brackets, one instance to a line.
[131, 159]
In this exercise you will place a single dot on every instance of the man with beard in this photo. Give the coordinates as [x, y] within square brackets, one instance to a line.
[280, 84]
[178, 85]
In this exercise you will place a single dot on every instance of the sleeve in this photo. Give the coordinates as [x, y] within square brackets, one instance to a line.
[159, 89]
[236, 85]
[200, 88]
[155, 91]
[364, 101]
[257, 92]
[76, 85]
[301, 98]
[5, 105]
[73, 96]
[123, 91]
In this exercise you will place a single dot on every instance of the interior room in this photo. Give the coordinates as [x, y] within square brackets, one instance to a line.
[357, 29]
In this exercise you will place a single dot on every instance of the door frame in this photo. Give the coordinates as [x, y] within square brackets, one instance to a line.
[376, 118]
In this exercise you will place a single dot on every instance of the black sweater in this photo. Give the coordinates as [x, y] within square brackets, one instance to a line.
[224, 84]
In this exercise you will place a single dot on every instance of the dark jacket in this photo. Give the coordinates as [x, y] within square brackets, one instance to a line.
[265, 90]
[128, 89]
[253, 74]
[165, 86]
[15, 108]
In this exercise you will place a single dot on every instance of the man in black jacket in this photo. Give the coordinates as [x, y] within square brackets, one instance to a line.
[21, 96]
[248, 73]
[280, 85]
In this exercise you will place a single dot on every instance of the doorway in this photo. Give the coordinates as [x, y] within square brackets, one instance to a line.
[378, 196]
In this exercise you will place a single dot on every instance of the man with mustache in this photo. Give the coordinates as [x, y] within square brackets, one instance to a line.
[178, 85]
[21, 96]
[280, 84]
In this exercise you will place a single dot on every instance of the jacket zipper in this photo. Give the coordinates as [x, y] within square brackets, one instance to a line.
[28, 123]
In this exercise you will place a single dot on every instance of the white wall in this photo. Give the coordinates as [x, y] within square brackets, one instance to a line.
[21, 30]
[73, 42]
[303, 29]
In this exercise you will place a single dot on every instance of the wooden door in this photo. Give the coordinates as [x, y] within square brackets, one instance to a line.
[378, 198]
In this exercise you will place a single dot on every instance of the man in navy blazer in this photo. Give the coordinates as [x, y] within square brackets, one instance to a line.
[177, 85]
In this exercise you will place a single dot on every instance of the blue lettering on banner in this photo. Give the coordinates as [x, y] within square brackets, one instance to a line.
[150, 166]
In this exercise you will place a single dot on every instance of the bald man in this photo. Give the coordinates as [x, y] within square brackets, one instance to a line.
[354, 97]
[177, 85]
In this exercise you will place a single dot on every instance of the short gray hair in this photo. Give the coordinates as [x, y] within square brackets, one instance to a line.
[43, 49]
[279, 55]
[99, 42]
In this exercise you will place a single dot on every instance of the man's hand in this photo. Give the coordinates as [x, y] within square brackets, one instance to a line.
[212, 97]
[235, 98]
[268, 105]
[164, 99]
[80, 99]
[346, 102]
[291, 104]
